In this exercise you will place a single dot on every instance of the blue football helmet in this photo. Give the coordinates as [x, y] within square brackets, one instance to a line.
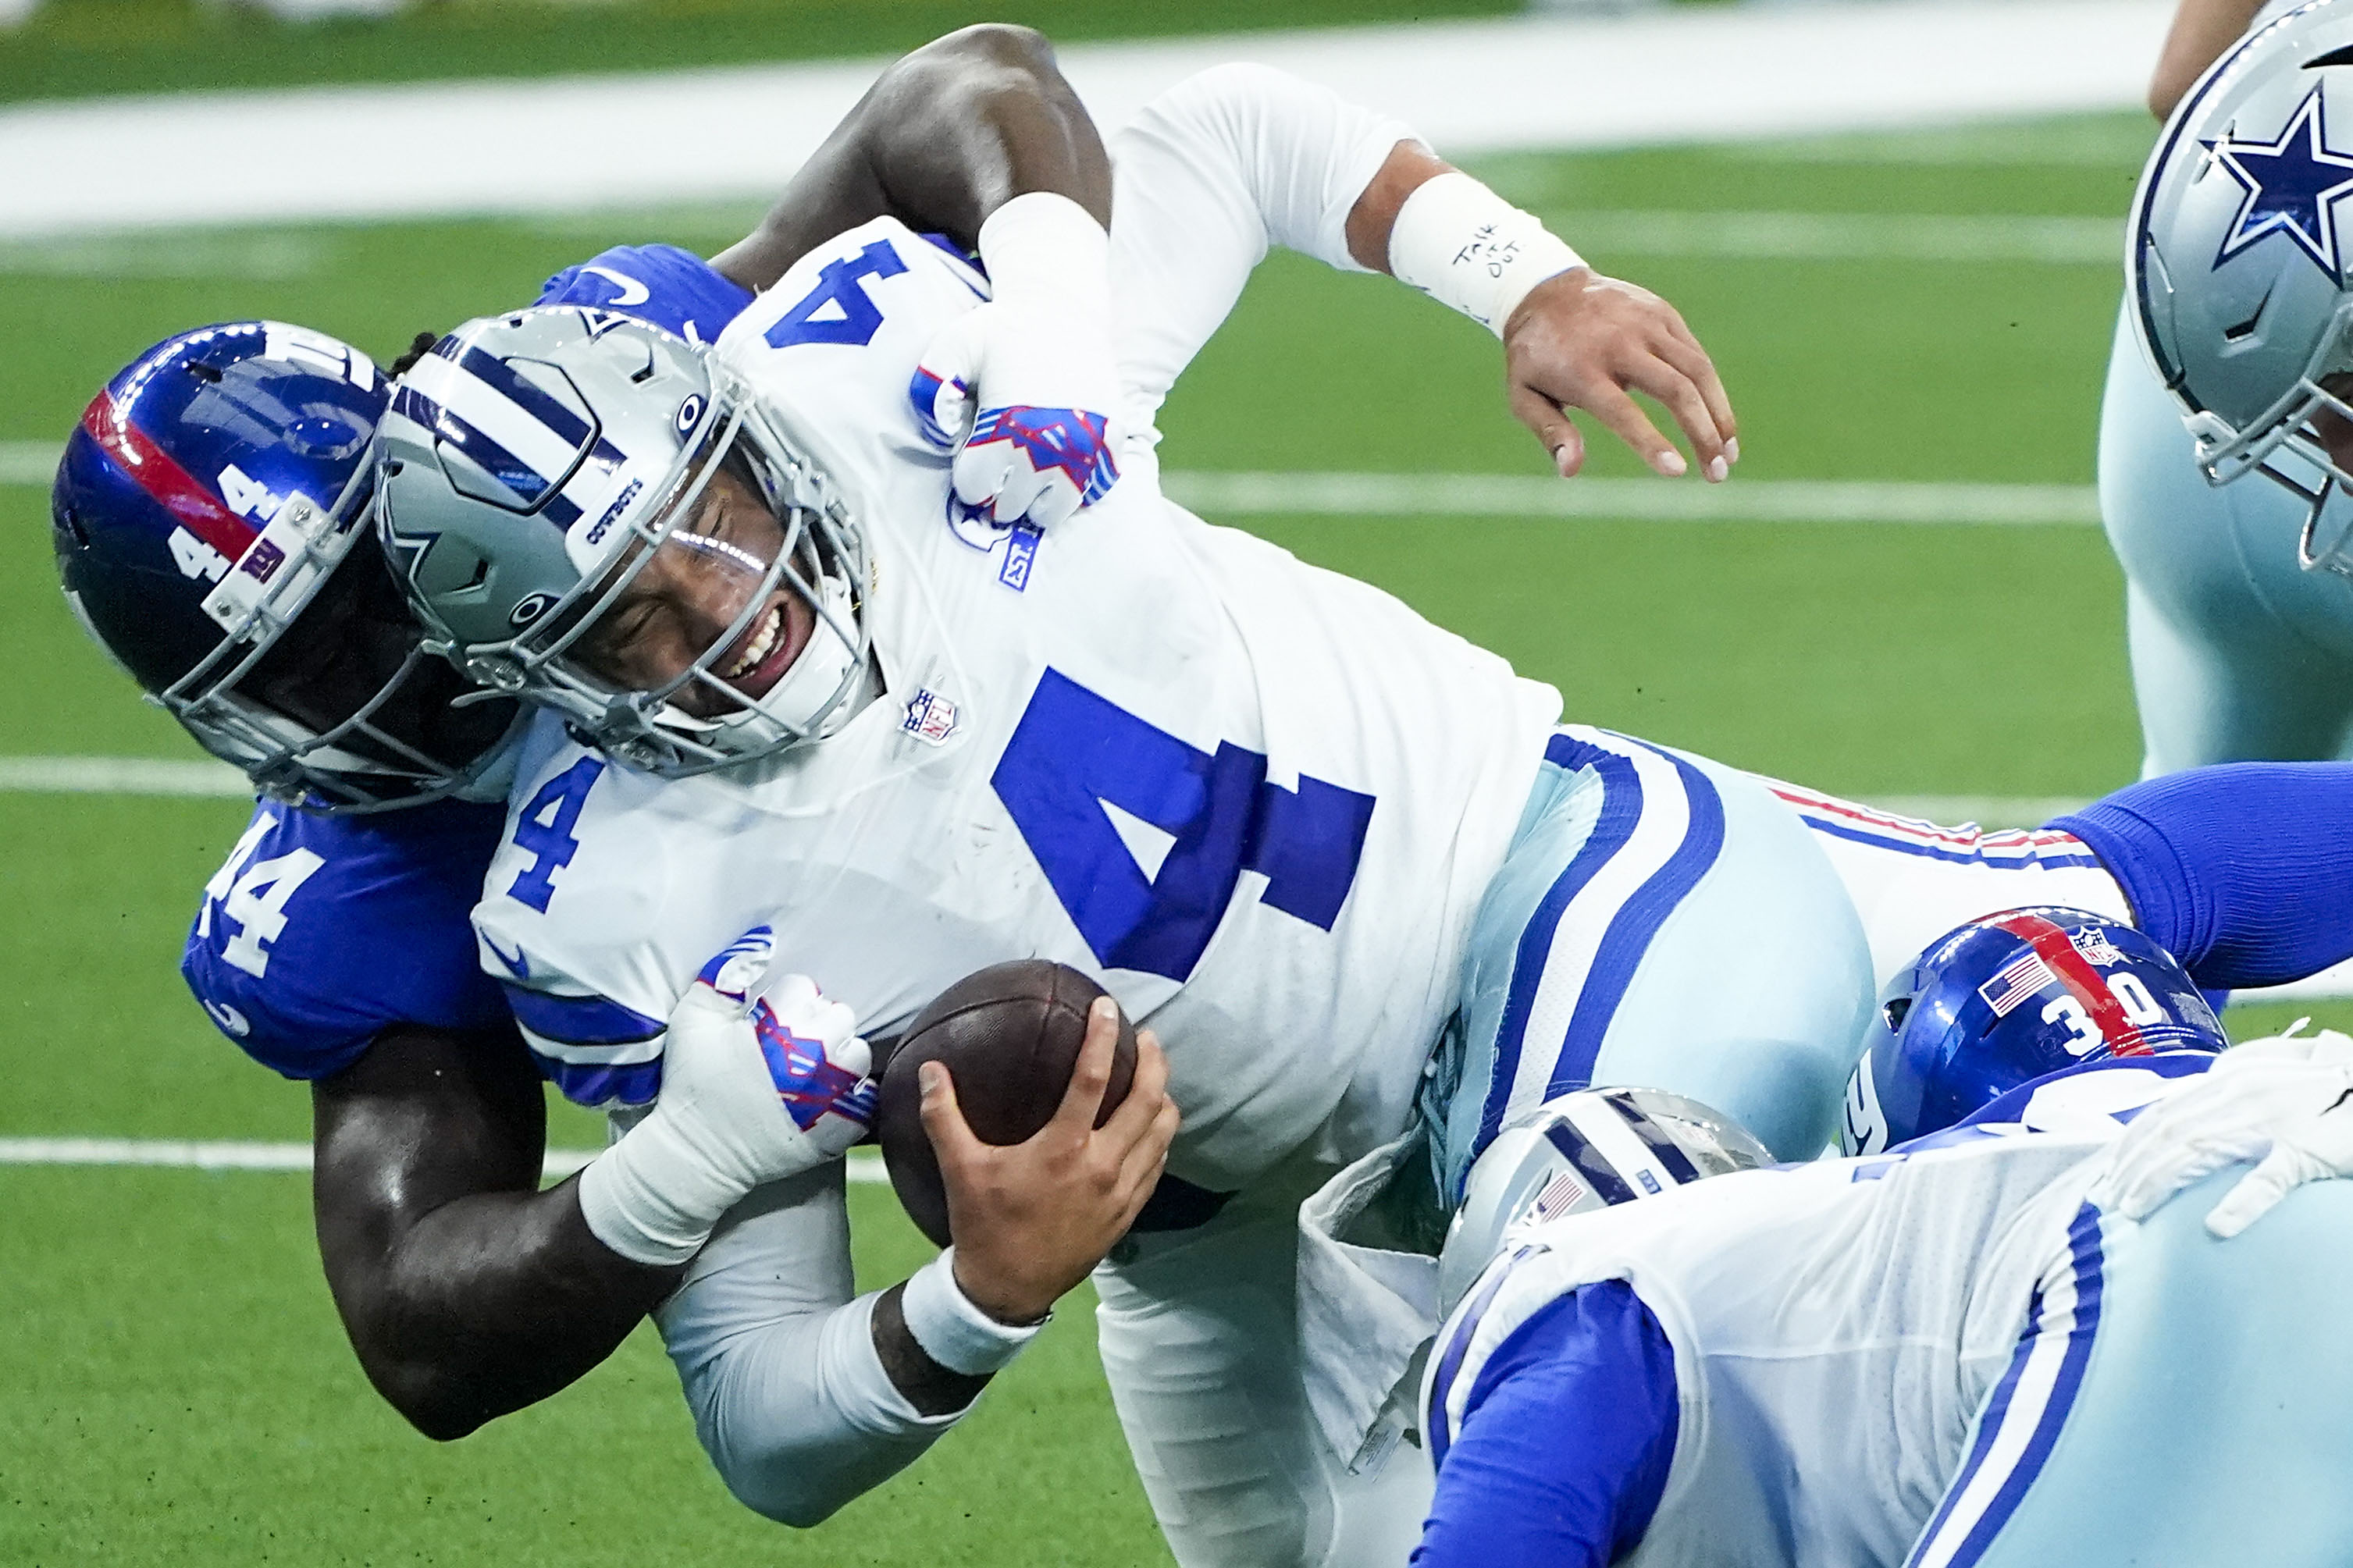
[208, 518]
[2008, 999]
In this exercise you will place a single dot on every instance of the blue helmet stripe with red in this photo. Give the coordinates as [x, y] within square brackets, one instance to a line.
[186, 498]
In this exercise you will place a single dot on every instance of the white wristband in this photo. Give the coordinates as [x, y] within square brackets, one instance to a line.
[654, 1197]
[952, 1330]
[1472, 251]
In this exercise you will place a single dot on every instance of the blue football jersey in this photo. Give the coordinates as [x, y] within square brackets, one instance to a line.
[674, 290]
[320, 933]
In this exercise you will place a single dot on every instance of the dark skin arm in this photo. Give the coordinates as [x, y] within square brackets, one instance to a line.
[466, 1290]
[944, 138]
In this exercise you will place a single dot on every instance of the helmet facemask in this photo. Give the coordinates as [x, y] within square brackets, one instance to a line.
[320, 691]
[2283, 444]
[727, 622]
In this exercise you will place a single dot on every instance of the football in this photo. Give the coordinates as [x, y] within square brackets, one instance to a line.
[1009, 1036]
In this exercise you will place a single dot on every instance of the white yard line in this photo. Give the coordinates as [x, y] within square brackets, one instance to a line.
[865, 1165]
[1644, 500]
[28, 462]
[1925, 237]
[1539, 496]
[122, 775]
[1675, 74]
[254, 257]
[1845, 236]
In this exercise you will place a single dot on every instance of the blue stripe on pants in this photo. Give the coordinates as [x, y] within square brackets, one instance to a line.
[1630, 926]
[1638, 919]
[2021, 1400]
[1621, 810]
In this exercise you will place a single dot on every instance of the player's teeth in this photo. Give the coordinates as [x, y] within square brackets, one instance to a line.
[765, 640]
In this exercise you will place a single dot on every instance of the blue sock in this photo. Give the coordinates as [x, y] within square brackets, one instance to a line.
[2243, 872]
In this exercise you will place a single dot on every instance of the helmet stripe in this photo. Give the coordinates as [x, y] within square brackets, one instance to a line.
[500, 377]
[1663, 1149]
[173, 489]
[527, 481]
[1608, 1185]
[2056, 948]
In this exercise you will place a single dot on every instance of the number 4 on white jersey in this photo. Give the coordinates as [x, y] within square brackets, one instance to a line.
[255, 897]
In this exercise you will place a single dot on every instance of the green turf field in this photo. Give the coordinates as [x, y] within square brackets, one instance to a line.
[174, 1387]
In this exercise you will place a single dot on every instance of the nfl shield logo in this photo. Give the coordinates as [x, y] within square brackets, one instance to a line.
[2093, 942]
[931, 718]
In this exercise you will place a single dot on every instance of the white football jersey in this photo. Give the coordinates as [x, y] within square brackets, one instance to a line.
[1835, 1325]
[1256, 800]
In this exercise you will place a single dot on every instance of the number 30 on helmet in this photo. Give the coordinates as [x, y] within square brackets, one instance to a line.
[2008, 999]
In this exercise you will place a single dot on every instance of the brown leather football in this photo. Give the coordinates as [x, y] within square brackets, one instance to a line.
[1009, 1036]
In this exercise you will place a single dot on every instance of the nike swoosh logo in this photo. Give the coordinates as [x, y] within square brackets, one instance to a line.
[517, 964]
[632, 292]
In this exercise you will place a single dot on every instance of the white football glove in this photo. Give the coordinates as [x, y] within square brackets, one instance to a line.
[762, 1080]
[1026, 381]
[2285, 1102]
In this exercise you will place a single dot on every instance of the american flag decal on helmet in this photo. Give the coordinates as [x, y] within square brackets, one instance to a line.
[2020, 978]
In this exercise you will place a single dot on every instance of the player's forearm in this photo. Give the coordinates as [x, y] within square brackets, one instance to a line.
[2202, 30]
[977, 119]
[1373, 218]
[467, 1293]
[804, 1397]
[945, 137]
[803, 1411]
[931, 1388]
[1211, 172]
[491, 1303]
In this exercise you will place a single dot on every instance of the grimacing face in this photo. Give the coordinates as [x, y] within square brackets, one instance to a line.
[680, 603]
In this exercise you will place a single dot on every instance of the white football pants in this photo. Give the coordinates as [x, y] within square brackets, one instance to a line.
[2238, 653]
[1201, 1331]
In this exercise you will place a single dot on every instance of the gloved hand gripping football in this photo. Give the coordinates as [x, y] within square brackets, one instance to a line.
[762, 1080]
[1026, 382]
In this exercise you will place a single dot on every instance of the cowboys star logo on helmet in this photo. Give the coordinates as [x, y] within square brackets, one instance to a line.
[2236, 267]
[2294, 183]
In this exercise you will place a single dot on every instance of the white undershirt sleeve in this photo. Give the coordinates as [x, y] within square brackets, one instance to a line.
[778, 1360]
[1205, 179]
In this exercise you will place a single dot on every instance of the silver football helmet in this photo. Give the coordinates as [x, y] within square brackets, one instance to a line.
[2236, 258]
[1580, 1152]
[595, 516]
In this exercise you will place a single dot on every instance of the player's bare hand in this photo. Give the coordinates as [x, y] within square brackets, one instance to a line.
[1031, 1219]
[1583, 341]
